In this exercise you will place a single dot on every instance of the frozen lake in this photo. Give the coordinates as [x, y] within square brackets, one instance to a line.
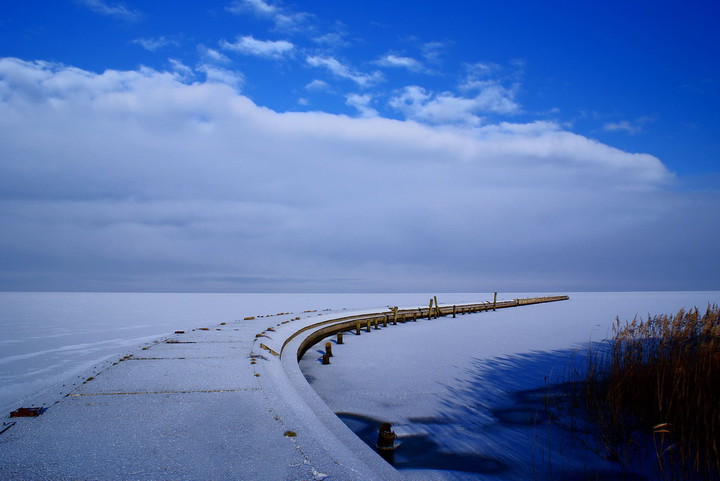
[49, 337]
[465, 395]
[462, 393]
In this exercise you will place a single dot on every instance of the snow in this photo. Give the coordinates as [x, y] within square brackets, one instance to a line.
[463, 386]
[51, 337]
[212, 405]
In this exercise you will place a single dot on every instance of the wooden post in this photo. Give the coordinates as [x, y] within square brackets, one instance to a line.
[367, 326]
[395, 309]
[454, 308]
[326, 358]
[339, 338]
[437, 308]
[430, 309]
[328, 349]
[357, 328]
[385, 320]
[375, 323]
[494, 301]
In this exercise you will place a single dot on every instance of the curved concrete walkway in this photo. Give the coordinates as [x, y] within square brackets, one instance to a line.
[225, 402]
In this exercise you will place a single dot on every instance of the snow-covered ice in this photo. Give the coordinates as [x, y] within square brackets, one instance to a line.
[464, 393]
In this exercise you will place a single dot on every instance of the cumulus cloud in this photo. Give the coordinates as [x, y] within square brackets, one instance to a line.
[630, 127]
[282, 17]
[141, 180]
[248, 45]
[210, 55]
[345, 71]
[220, 75]
[117, 10]
[481, 91]
[153, 44]
[397, 61]
[318, 85]
[362, 104]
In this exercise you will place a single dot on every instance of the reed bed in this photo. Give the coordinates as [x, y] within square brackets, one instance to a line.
[657, 388]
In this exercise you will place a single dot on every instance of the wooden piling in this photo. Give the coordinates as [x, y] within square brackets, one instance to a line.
[454, 309]
[494, 301]
[328, 349]
[326, 358]
[339, 337]
[357, 328]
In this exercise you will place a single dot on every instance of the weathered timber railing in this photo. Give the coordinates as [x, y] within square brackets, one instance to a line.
[321, 330]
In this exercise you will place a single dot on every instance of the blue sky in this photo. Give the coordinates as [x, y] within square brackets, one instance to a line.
[309, 146]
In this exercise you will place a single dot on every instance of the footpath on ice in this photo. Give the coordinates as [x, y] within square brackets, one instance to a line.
[218, 402]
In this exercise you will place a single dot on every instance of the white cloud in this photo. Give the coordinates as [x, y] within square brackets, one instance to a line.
[260, 48]
[141, 179]
[333, 40]
[155, 43]
[362, 104]
[280, 16]
[434, 51]
[318, 86]
[391, 60]
[183, 71]
[416, 103]
[215, 74]
[117, 10]
[210, 55]
[345, 71]
[630, 127]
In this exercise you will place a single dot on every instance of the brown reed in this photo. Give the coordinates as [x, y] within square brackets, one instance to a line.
[660, 378]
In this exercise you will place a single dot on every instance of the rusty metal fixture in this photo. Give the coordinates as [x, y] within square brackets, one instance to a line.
[27, 412]
[328, 349]
[386, 437]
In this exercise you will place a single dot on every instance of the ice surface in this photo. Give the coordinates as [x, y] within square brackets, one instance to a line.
[210, 404]
[466, 383]
[52, 337]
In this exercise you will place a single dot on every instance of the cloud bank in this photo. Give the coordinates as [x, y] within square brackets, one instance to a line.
[145, 180]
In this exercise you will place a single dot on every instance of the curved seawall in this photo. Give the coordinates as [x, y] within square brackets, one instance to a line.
[217, 402]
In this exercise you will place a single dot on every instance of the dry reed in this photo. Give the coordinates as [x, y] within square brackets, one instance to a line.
[659, 381]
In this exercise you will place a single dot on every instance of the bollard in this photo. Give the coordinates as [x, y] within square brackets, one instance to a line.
[357, 328]
[328, 349]
[386, 437]
[339, 338]
[326, 358]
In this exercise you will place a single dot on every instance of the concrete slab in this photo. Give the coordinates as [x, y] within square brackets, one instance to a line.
[161, 375]
[152, 437]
